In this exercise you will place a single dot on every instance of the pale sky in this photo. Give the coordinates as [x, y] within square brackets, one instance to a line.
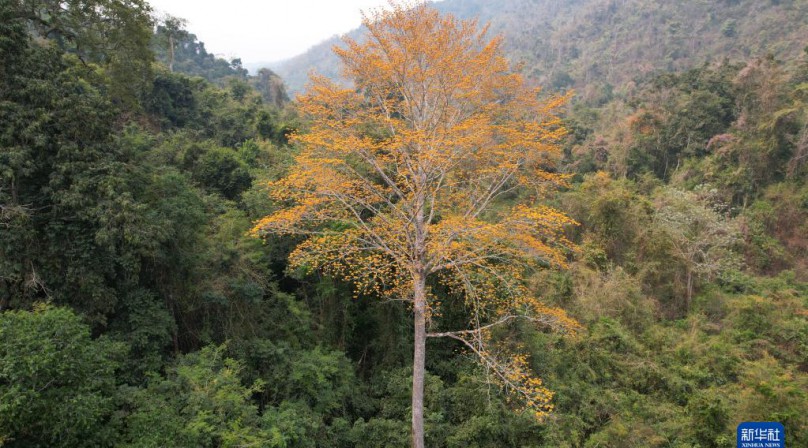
[265, 30]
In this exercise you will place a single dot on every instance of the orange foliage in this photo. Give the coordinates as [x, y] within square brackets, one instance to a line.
[433, 163]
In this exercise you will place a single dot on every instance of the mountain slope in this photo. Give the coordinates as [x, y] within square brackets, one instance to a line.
[601, 45]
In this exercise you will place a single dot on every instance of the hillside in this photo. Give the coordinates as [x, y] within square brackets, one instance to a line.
[599, 46]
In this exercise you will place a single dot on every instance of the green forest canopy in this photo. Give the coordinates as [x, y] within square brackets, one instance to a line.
[136, 311]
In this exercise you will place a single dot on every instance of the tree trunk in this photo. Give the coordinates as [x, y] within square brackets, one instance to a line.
[6, 299]
[689, 290]
[170, 53]
[419, 312]
[419, 357]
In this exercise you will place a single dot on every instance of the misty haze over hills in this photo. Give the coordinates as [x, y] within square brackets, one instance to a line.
[604, 44]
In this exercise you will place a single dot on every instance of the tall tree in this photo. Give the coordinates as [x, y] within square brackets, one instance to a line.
[174, 29]
[699, 236]
[431, 168]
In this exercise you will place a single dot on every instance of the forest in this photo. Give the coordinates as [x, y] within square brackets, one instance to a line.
[155, 290]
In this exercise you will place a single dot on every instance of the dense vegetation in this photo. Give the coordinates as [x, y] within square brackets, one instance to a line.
[136, 310]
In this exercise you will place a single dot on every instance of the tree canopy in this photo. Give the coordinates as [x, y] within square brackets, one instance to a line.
[136, 309]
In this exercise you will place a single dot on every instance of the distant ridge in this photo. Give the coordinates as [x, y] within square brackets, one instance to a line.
[319, 58]
[594, 45]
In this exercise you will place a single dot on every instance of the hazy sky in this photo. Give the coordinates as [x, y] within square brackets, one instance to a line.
[265, 30]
